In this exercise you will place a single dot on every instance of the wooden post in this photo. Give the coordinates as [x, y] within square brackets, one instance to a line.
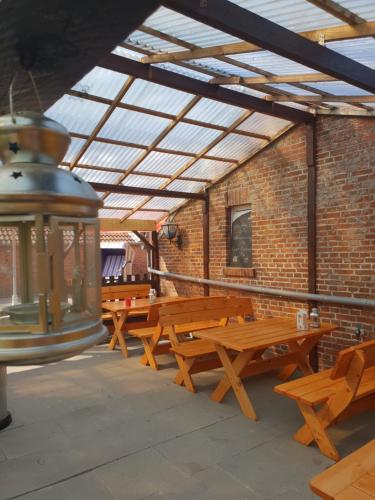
[311, 221]
[206, 243]
[156, 259]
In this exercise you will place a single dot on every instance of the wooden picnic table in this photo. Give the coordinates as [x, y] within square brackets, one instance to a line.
[249, 341]
[353, 478]
[120, 313]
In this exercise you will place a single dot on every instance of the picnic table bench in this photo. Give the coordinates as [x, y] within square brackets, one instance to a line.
[353, 478]
[343, 391]
[249, 341]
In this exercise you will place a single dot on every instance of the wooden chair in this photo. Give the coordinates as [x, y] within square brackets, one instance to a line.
[194, 356]
[343, 391]
[150, 337]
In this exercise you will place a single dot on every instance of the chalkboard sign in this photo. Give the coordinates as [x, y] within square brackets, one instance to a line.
[240, 237]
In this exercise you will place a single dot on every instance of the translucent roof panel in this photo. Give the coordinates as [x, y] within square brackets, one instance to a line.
[187, 29]
[361, 50]
[164, 203]
[218, 113]
[125, 52]
[162, 163]
[110, 155]
[273, 63]
[263, 124]
[134, 127]
[123, 200]
[186, 186]
[144, 181]
[221, 67]
[208, 169]
[363, 8]
[237, 146]
[157, 97]
[189, 138]
[74, 148]
[101, 82]
[77, 114]
[185, 71]
[107, 213]
[147, 215]
[339, 88]
[153, 43]
[297, 15]
[90, 175]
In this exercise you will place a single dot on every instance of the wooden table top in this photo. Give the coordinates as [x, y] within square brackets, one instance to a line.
[260, 334]
[140, 304]
[351, 478]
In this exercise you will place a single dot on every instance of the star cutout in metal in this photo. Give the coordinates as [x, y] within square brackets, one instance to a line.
[13, 146]
[15, 175]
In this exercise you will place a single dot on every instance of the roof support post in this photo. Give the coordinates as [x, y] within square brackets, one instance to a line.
[311, 221]
[206, 243]
[156, 260]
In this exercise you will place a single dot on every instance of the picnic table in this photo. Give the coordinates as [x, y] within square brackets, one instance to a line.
[249, 341]
[120, 314]
[353, 478]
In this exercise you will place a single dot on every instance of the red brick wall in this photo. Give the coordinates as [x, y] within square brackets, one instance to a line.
[276, 180]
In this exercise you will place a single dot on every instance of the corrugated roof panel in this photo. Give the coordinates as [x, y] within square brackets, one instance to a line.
[263, 124]
[187, 29]
[157, 97]
[339, 88]
[130, 54]
[184, 71]
[110, 155]
[208, 169]
[144, 181]
[162, 163]
[90, 175]
[189, 138]
[222, 67]
[297, 15]
[63, 167]
[186, 186]
[290, 89]
[361, 50]
[167, 204]
[145, 215]
[218, 113]
[245, 90]
[134, 127]
[107, 213]
[77, 114]
[153, 43]
[74, 148]
[101, 82]
[273, 63]
[363, 8]
[237, 146]
[124, 200]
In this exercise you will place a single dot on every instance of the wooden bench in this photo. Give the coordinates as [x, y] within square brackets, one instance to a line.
[353, 478]
[346, 389]
[150, 337]
[120, 292]
[194, 356]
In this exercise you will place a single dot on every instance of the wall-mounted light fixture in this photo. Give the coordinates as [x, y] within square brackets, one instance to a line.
[172, 232]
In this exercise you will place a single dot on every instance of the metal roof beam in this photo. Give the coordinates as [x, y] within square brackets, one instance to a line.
[203, 89]
[243, 24]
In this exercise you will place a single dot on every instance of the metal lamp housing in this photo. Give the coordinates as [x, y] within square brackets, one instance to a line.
[49, 239]
[170, 230]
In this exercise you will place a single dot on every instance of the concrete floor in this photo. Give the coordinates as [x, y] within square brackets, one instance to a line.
[101, 427]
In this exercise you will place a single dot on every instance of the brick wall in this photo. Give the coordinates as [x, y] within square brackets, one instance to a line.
[276, 182]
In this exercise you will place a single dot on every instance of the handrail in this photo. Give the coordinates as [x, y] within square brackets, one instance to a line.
[278, 292]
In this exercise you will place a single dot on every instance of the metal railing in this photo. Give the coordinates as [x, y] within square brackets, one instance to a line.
[277, 292]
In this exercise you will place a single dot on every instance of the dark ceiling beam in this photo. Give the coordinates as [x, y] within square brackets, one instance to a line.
[337, 10]
[194, 86]
[112, 188]
[241, 23]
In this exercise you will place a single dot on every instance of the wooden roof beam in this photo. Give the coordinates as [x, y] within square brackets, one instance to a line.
[337, 10]
[203, 89]
[241, 23]
[253, 80]
[332, 34]
[316, 98]
[119, 188]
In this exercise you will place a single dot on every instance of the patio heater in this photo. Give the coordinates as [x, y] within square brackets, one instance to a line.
[49, 250]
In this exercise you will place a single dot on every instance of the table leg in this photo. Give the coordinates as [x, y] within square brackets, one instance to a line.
[117, 334]
[152, 343]
[302, 362]
[232, 379]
